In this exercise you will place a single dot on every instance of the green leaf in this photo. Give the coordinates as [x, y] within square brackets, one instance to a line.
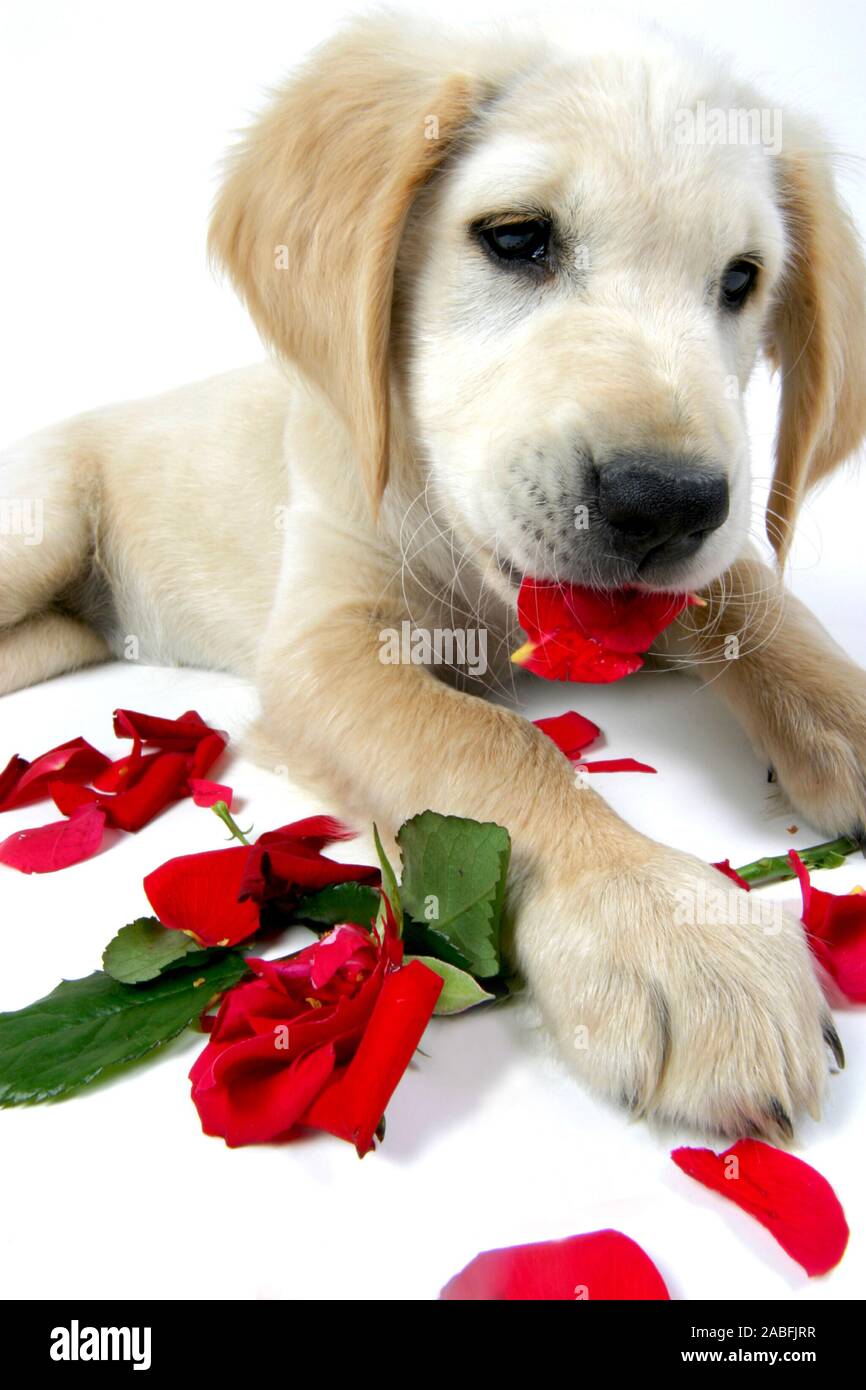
[145, 948]
[389, 888]
[339, 902]
[84, 1026]
[421, 940]
[454, 874]
[459, 992]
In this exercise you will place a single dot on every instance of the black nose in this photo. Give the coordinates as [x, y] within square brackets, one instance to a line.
[651, 502]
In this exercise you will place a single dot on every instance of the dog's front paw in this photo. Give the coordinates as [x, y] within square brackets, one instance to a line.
[666, 996]
[813, 731]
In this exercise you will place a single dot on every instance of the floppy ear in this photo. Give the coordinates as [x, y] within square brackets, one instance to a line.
[310, 215]
[817, 338]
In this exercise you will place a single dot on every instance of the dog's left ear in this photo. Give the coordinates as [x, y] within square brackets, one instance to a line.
[309, 219]
[817, 338]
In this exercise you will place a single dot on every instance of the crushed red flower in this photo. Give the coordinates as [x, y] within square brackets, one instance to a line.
[582, 634]
[318, 1041]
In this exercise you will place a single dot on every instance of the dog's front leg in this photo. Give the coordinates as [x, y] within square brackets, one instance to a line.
[659, 994]
[801, 700]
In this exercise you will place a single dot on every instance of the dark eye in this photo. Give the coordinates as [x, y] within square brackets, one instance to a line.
[519, 241]
[737, 282]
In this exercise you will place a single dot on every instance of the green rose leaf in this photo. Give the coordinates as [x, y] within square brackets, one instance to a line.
[454, 873]
[84, 1026]
[459, 990]
[145, 948]
[421, 940]
[339, 902]
[389, 888]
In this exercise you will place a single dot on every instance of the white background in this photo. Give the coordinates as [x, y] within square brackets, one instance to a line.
[112, 119]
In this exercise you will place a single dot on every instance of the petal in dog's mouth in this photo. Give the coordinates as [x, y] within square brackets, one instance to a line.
[582, 634]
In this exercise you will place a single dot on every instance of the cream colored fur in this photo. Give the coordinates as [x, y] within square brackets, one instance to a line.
[388, 465]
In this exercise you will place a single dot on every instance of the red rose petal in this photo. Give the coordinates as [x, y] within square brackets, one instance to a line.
[836, 931]
[56, 846]
[284, 860]
[10, 777]
[724, 867]
[206, 754]
[206, 793]
[795, 1203]
[121, 774]
[352, 1108]
[181, 735]
[600, 1266]
[615, 765]
[246, 1093]
[571, 656]
[571, 732]
[584, 634]
[75, 761]
[198, 893]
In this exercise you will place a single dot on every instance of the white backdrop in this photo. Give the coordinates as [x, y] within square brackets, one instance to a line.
[112, 119]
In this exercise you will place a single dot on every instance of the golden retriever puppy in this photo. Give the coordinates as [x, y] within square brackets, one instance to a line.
[508, 281]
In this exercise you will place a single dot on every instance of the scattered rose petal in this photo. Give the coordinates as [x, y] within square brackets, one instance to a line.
[198, 894]
[724, 867]
[615, 765]
[181, 735]
[22, 782]
[599, 1266]
[216, 896]
[795, 1203]
[206, 793]
[290, 859]
[46, 848]
[571, 732]
[836, 931]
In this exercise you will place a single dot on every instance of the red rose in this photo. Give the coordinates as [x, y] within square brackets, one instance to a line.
[317, 1041]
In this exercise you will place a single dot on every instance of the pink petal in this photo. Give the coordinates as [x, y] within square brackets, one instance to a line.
[56, 846]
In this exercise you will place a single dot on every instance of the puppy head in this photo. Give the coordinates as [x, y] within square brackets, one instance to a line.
[562, 282]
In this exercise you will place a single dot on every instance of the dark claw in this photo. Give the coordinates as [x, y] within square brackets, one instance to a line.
[833, 1041]
[781, 1118]
[771, 773]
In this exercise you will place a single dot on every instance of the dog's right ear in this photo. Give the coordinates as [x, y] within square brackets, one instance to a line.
[309, 218]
